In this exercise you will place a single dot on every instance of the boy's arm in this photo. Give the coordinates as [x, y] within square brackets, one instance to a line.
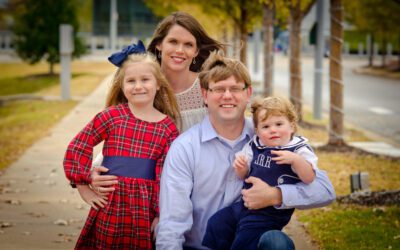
[240, 166]
[242, 161]
[300, 165]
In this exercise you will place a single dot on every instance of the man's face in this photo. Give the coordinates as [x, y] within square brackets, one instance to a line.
[226, 100]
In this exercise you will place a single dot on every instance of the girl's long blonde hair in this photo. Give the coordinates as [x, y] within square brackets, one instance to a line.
[164, 100]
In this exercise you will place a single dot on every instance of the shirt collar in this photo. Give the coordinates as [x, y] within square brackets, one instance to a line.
[296, 140]
[209, 133]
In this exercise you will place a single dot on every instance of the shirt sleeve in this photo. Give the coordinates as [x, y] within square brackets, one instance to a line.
[176, 209]
[308, 154]
[319, 193]
[79, 154]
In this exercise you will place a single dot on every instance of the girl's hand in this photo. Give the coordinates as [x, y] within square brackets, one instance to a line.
[102, 184]
[240, 166]
[284, 157]
[153, 227]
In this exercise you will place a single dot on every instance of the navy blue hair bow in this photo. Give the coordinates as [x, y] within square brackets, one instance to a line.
[119, 57]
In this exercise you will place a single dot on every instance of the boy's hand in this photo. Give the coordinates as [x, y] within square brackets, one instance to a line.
[284, 156]
[240, 166]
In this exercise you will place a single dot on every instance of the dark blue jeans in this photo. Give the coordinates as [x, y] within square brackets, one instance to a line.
[275, 240]
[251, 233]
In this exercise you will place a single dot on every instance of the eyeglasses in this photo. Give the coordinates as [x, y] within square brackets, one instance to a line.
[232, 90]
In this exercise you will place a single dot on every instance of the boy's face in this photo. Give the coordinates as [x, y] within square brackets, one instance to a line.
[226, 100]
[274, 131]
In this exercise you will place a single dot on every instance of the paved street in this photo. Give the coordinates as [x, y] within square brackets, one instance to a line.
[371, 103]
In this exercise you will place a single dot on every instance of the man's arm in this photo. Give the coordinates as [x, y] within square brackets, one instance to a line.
[175, 203]
[302, 196]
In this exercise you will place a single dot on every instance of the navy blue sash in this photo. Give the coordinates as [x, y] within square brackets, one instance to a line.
[130, 167]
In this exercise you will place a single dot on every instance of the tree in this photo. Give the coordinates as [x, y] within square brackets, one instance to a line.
[268, 22]
[36, 30]
[297, 9]
[243, 14]
[379, 18]
[335, 74]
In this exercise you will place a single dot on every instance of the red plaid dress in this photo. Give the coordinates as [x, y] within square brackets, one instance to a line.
[124, 223]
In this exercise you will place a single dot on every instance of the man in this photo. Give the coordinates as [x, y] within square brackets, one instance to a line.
[198, 178]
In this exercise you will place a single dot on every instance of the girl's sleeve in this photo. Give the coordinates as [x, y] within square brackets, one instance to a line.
[159, 166]
[79, 154]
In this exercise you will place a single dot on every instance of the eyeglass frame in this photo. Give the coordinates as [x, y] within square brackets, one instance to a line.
[235, 89]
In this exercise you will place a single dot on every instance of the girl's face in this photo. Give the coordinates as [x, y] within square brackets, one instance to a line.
[139, 84]
[274, 131]
[178, 49]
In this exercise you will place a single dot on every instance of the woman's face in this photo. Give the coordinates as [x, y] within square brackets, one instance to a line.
[178, 48]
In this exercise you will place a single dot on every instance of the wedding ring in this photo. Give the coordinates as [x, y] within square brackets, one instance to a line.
[98, 189]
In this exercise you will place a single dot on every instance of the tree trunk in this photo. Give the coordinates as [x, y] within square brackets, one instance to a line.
[384, 52]
[371, 53]
[51, 64]
[243, 36]
[236, 42]
[336, 113]
[268, 48]
[225, 38]
[295, 64]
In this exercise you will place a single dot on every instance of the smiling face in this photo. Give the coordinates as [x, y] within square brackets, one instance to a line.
[275, 130]
[139, 84]
[229, 106]
[178, 49]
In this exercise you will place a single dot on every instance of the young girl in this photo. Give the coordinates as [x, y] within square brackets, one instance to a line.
[137, 129]
[274, 155]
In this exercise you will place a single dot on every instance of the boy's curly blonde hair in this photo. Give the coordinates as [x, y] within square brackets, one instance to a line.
[274, 105]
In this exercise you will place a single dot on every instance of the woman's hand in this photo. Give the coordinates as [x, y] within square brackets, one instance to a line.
[153, 227]
[90, 197]
[102, 184]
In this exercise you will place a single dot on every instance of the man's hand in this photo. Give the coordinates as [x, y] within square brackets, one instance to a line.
[260, 195]
[102, 184]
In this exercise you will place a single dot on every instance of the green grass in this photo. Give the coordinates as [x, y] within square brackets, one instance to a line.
[340, 226]
[354, 227]
[12, 85]
[23, 123]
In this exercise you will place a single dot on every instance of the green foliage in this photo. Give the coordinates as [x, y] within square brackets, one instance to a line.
[36, 29]
[163, 8]
[354, 227]
[378, 17]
